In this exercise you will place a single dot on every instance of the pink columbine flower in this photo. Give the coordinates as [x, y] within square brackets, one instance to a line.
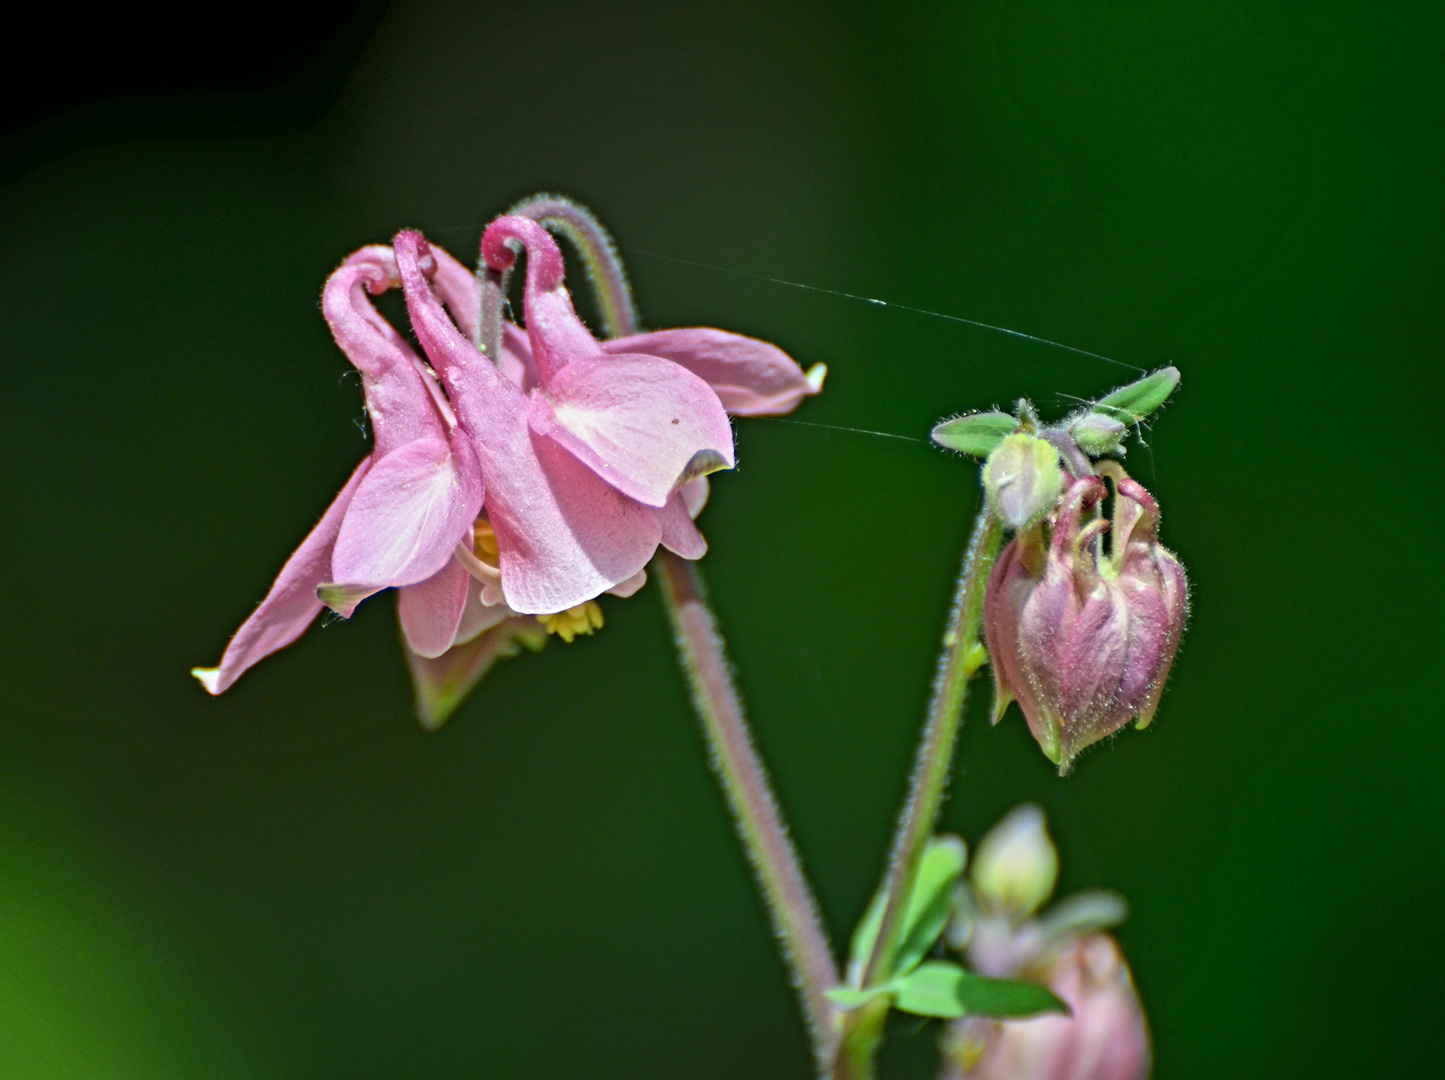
[1104, 1038]
[588, 450]
[584, 473]
[398, 519]
[1084, 639]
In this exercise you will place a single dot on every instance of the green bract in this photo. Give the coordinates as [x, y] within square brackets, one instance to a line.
[976, 433]
[1134, 402]
[942, 989]
[939, 988]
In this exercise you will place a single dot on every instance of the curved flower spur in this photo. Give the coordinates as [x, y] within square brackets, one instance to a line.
[399, 517]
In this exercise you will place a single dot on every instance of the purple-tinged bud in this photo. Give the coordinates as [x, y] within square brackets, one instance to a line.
[1023, 480]
[1083, 639]
[1106, 1038]
[1097, 434]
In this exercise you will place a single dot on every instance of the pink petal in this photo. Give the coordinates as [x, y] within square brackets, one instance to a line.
[478, 617]
[402, 399]
[517, 362]
[679, 534]
[645, 425]
[291, 604]
[564, 535]
[431, 610]
[695, 494]
[751, 377]
[408, 514]
[630, 586]
[557, 335]
[460, 291]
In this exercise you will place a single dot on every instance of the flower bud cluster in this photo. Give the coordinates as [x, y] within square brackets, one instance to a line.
[997, 927]
[1082, 615]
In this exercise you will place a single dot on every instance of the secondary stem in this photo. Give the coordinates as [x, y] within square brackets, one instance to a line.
[963, 654]
[755, 812]
[745, 782]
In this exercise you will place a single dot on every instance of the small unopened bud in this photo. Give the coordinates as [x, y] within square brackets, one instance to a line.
[1098, 434]
[1023, 480]
[1015, 867]
[1084, 639]
[1105, 1038]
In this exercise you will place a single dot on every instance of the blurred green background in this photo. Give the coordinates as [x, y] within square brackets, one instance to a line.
[295, 881]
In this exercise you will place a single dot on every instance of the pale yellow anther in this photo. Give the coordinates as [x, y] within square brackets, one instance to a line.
[484, 541]
[582, 619]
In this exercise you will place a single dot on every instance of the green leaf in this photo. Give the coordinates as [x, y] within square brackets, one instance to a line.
[932, 901]
[928, 906]
[845, 997]
[976, 433]
[931, 989]
[942, 989]
[1132, 403]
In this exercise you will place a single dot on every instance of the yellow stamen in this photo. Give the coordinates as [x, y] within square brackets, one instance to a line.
[582, 619]
[484, 541]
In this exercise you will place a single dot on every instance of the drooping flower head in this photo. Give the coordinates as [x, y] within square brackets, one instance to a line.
[1082, 616]
[1081, 637]
[1000, 930]
[622, 431]
[1104, 1037]
[590, 454]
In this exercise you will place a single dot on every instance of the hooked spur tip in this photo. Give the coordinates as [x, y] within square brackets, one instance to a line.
[815, 376]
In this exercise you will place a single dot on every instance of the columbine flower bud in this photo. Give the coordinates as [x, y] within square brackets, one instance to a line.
[1098, 434]
[1015, 867]
[1023, 480]
[1083, 639]
[1106, 1038]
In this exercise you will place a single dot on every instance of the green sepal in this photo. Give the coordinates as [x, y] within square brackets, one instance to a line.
[929, 907]
[442, 683]
[1083, 913]
[942, 989]
[1134, 402]
[976, 433]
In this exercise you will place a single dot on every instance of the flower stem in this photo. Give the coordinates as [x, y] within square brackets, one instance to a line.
[744, 780]
[755, 811]
[599, 257]
[963, 654]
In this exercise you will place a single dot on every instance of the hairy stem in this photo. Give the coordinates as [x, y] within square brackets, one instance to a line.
[599, 257]
[963, 654]
[744, 780]
[489, 326]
